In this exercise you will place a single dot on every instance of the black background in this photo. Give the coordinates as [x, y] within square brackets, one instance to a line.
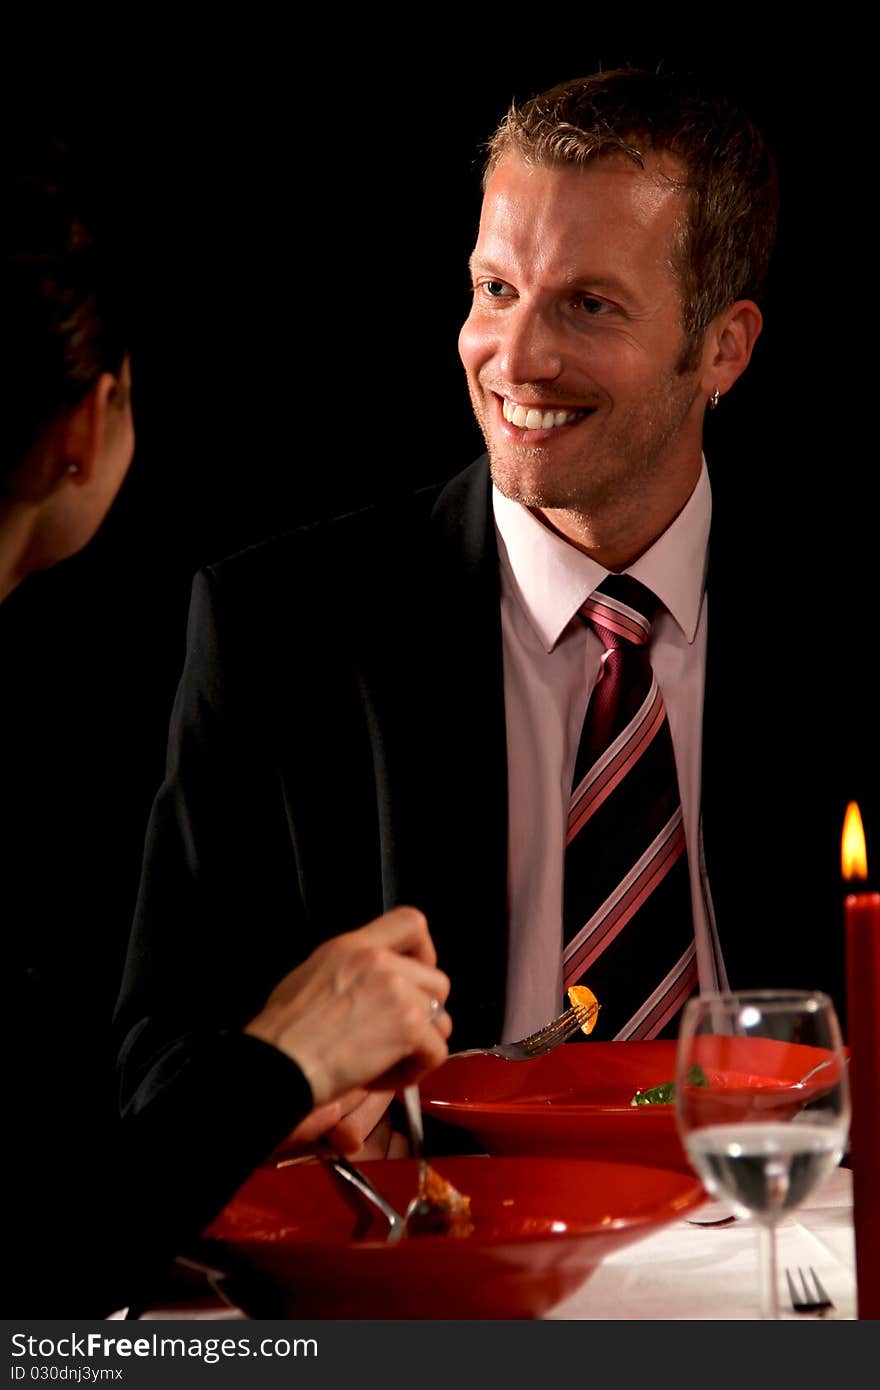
[298, 220]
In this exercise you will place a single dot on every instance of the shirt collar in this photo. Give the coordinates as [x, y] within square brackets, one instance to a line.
[550, 578]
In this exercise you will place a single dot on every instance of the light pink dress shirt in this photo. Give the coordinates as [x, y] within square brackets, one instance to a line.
[551, 662]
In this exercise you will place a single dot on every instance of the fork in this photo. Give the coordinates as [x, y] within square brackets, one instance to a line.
[425, 1213]
[557, 1031]
[808, 1300]
[413, 1106]
[346, 1170]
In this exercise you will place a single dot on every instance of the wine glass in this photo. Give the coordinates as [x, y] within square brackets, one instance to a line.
[762, 1104]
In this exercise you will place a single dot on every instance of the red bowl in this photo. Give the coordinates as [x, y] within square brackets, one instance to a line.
[572, 1102]
[310, 1246]
[575, 1100]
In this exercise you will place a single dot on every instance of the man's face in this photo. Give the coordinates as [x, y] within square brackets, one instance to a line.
[575, 335]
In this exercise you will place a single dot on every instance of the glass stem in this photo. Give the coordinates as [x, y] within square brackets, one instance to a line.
[767, 1260]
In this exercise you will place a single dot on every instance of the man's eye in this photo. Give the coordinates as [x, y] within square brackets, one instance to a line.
[495, 289]
[592, 306]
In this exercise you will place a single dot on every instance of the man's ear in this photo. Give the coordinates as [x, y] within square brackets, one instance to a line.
[729, 344]
[85, 427]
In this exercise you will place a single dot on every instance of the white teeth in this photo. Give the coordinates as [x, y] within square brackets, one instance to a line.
[530, 418]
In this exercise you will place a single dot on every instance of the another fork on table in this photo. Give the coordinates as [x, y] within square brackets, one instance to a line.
[807, 1299]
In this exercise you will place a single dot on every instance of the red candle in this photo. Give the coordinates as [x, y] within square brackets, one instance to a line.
[862, 910]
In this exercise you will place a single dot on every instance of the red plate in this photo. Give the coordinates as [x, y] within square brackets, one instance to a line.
[575, 1100]
[540, 1228]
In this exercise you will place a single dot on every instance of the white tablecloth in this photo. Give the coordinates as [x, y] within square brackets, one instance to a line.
[700, 1272]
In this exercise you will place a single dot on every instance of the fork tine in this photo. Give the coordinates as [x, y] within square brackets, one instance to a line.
[792, 1291]
[819, 1286]
[551, 1032]
[558, 1025]
[559, 1029]
[582, 1014]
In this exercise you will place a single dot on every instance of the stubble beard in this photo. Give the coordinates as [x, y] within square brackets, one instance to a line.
[615, 473]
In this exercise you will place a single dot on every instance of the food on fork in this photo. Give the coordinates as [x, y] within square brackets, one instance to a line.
[439, 1207]
[580, 995]
[441, 1194]
[664, 1094]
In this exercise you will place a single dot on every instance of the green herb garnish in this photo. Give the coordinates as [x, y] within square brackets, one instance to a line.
[664, 1094]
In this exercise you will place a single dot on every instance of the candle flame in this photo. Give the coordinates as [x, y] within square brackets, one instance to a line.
[853, 854]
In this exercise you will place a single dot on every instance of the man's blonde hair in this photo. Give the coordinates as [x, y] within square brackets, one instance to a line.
[730, 179]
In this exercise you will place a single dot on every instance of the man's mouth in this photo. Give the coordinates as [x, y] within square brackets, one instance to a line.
[532, 417]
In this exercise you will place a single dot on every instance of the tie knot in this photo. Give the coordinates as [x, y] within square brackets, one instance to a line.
[621, 610]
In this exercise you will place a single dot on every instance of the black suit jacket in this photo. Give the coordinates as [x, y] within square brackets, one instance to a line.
[337, 747]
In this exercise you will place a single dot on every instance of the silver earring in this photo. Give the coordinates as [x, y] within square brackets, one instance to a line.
[73, 468]
[714, 398]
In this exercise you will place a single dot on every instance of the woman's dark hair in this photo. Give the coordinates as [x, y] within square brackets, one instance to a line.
[62, 315]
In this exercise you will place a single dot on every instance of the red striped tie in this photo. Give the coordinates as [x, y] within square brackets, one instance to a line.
[628, 920]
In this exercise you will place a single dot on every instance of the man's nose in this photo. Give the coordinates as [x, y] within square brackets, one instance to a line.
[528, 347]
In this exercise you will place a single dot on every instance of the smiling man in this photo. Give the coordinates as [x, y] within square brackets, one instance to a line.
[503, 701]
[590, 364]
[589, 393]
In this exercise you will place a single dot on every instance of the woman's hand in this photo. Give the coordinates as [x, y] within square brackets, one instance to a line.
[359, 1013]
